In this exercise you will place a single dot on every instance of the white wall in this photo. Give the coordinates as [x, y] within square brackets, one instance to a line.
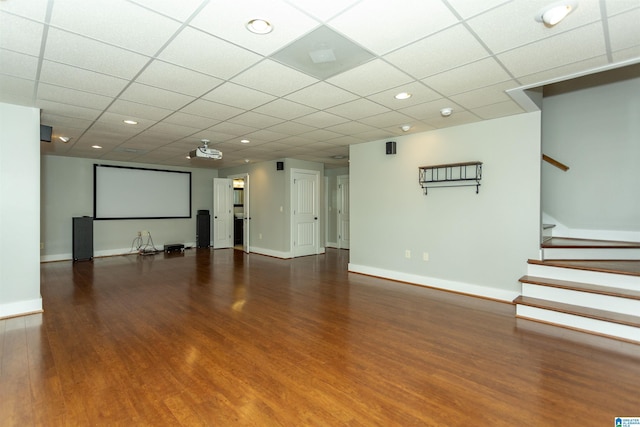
[331, 192]
[19, 210]
[67, 191]
[596, 132]
[477, 243]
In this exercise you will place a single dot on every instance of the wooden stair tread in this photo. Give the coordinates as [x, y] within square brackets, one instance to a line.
[583, 287]
[592, 313]
[573, 243]
[624, 267]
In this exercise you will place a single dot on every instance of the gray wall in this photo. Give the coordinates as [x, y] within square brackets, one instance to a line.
[67, 191]
[270, 231]
[596, 132]
[477, 243]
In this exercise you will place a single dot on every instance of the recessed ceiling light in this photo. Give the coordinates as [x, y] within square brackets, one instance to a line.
[64, 139]
[446, 112]
[247, 160]
[403, 95]
[97, 147]
[130, 122]
[245, 141]
[405, 128]
[556, 12]
[259, 26]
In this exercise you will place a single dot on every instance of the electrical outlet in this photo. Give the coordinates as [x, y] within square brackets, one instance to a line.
[425, 256]
[407, 254]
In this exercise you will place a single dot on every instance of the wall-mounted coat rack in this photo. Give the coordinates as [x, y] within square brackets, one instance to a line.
[451, 175]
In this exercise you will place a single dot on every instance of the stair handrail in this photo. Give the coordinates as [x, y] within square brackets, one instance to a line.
[555, 163]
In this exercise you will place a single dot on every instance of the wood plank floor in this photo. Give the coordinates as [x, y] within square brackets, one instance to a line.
[223, 338]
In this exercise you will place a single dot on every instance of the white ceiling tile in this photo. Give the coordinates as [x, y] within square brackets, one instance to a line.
[263, 135]
[272, 77]
[440, 52]
[15, 90]
[323, 10]
[62, 121]
[501, 109]
[284, 109]
[18, 64]
[154, 96]
[115, 22]
[345, 140]
[321, 95]
[191, 120]
[431, 109]
[291, 128]
[468, 77]
[296, 141]
[382, 26]
[177, 10]
[115, 123]
[320, 135]
[419, 94]
[514, 24]
[623, 30]
[469, 8]
[215, 136]
[255, 120]
[213, 110]
[177, 79]
[617, 6]
[208, 58]
[351, 128]
[77, 78]
[571, 46]
[371, 77]
[32, 9]
[19, 34]
[73, 97]
[92, 55]
[321, 119]
[67, 110]
[358, 109]
[238, 96]
[633, 53]
[564, 72]
[137, 110]
[227, 20]
[456, 119]
[391, 118]
[230, 128]
[170, 129]
[486, 95]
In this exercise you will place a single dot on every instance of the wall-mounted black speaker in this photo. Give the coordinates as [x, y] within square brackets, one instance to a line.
[391, 147]
[279, 166]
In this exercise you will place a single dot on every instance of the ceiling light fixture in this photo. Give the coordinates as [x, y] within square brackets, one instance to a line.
[259, 26]
[405, 128]
[403, 95]
[446, 112]
[245, 141]
[64, 139]
[556, 12]
[130, 122]
[97, 147]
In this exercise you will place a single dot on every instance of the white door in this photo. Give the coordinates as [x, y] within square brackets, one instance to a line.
[343, 212]
[305, 201]
[222, 213]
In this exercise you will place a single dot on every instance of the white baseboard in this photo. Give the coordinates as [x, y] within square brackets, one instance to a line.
[21, 308]
[270, 252]
[331, 245]
[448, 285]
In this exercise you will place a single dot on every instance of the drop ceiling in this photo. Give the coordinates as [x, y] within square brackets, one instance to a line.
[189, 70]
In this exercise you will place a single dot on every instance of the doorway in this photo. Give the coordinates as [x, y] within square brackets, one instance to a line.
[241, 212]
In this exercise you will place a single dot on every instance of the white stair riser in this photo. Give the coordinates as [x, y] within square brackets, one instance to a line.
[583, 299]
[579, 322]
[589, 253]
[594, 277]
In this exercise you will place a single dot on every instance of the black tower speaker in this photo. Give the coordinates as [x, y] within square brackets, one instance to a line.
[82, 238]
[391, 147]
[203, 232]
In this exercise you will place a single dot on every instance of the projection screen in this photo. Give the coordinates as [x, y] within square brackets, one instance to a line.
[121, 192]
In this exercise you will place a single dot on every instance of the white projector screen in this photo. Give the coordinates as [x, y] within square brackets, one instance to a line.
[134, 193]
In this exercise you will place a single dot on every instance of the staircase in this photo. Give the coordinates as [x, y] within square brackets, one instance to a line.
[587, 285]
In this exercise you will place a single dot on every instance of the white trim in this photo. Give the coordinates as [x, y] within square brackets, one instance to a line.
[448, 285]
[21, 308]
[272, 253]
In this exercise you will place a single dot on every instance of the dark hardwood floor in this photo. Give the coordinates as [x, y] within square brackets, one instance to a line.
[223, 338]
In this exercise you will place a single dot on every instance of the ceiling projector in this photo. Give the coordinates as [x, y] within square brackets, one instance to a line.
[205, 152]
